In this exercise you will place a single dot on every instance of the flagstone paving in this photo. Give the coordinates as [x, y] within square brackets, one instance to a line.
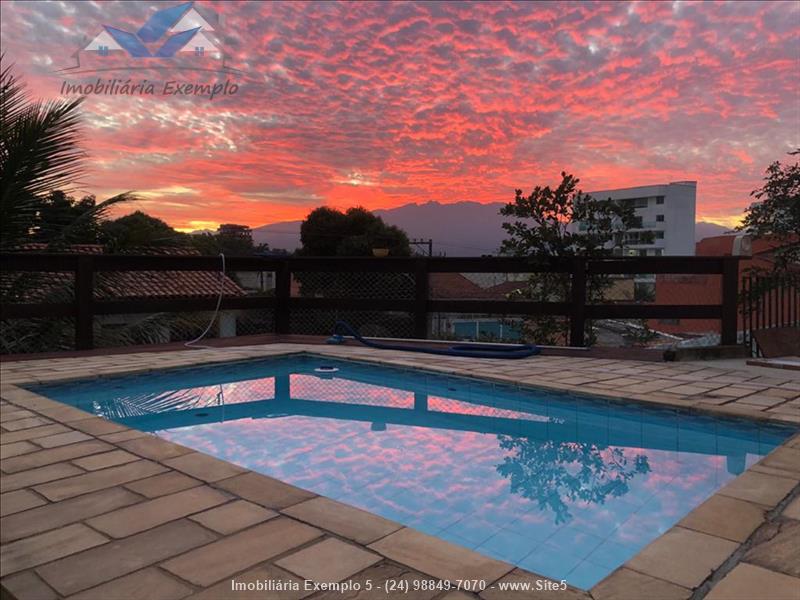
[92, 510]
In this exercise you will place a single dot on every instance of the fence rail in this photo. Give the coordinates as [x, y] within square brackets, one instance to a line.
[768, 302]
[85, 306]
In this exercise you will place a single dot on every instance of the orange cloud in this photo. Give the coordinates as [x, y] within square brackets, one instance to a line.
[383, 104]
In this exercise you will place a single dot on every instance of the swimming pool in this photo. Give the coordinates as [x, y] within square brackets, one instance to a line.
[565, 486]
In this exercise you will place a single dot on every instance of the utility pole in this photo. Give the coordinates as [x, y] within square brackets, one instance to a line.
[421, 242]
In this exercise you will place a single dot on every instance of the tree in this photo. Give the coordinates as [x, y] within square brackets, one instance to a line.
[776, 213]
[231, 240]
[40, 162]
[235, 240]
[139, 229]
[557, 474]
[563, 222]
[59, 211]
[356, 232]
[40, 153]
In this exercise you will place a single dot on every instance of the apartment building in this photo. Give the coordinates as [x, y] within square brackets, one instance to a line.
[667, 210]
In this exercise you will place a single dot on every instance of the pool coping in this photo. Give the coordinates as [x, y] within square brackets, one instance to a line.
[762, 490]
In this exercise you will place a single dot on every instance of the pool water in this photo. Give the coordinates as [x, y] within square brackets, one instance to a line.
[568, 487]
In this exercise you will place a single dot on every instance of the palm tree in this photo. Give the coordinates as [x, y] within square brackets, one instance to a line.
[39, 153]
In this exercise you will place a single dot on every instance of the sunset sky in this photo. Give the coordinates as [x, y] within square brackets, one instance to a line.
[382, 104]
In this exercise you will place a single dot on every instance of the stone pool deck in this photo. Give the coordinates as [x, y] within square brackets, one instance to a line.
[93, 510]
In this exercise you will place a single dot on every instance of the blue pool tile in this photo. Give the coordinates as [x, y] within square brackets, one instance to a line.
[473, 529]
[508, 545]
[534, 526]
[550, 561]
[564, 485]
[586, 575]
[575, 540]
[393, 513]
[454, 538]
[611, 554]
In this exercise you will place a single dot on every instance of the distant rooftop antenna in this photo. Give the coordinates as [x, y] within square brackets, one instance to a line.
[422, 242]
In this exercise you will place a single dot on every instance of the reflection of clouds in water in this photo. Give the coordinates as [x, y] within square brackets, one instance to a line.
[448, 405]
[447, 483]
[309, 387]
[554, 483]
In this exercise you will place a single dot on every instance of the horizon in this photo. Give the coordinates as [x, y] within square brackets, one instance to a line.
[384, 105]
[380, 209]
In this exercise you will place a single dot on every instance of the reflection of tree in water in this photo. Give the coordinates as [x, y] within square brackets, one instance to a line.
[554, 473]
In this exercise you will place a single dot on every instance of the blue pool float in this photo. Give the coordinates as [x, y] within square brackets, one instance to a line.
[474, 350]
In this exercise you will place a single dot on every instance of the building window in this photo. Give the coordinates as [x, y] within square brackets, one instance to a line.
[659, 199]
[102, 50]
[634, 202]
[637, 222]
[643, 252]
[659, 218]
[659, 234]
[198, 50]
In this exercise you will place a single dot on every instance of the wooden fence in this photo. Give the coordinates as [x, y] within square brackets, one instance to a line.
[768, 302]
[85, 306]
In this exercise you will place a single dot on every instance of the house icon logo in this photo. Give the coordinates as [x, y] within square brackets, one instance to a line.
[179, 33]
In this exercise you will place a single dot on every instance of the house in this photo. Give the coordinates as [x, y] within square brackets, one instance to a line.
[175, 32]
[466, 326]
[189, 43]
[171, 20]
[707, 289]
[132, 285]
[180, 31]
[112, 41]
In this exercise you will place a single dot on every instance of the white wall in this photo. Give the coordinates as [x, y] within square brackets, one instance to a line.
[678, 210]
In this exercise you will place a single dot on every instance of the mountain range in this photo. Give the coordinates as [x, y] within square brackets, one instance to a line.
[457, 229]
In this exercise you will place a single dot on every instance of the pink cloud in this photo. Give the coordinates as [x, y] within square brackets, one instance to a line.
[383, 104]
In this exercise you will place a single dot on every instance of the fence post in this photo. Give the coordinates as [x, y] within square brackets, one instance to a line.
[577, 319]
[84, 303]
[421, 299]
[730, 300]
[747, 312]
[283, 291]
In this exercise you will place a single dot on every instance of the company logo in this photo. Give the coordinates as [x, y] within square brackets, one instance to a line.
[180, 35]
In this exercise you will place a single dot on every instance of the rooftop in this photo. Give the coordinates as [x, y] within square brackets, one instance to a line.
[130, 285]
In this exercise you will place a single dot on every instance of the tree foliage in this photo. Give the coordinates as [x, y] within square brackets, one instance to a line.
[227, 242]
[776, 212]
[563, 222]
[58, 212]
[355, 232]
[558, 474]
[39, 154]
[138, 230]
